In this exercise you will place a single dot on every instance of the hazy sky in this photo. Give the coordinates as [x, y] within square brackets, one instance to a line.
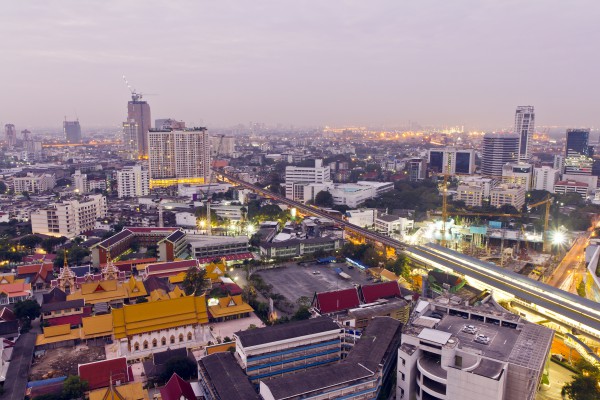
[301, 62]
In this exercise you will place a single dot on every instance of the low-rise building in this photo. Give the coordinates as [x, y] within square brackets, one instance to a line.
[365, 218]
[564, 187]
[203, 246]
[518, 174]
[299, 247]
[220, 377]
[471, 193]
[34, 183]
[510, 194]
[389, 224]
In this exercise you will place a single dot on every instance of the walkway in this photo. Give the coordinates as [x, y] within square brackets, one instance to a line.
[18, 370]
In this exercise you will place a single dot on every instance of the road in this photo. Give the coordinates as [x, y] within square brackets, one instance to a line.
[559, 375]
[565, 275]
[18, 370]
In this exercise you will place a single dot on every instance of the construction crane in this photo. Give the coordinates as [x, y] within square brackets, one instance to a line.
[210, 183]
[444, 208]
[135, 95]
[548, 202]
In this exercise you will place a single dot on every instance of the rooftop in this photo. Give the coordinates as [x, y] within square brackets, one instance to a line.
[226, 376]
[255, 337]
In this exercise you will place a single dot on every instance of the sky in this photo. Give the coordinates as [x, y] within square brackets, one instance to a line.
[306, 63]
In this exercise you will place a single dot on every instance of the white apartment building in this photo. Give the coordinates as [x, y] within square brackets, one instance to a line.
[69, 218]
[365, 218]
[133, 181]
[178, 157]
[228, 211]
[227, 146]
[80, 182]
[94, 184]
[544, 178]
[34, 183]
[471, 193]
[485, 183]
[517, 173]
[564, 187]
[389, 224]
[508, 194]
[316, 174]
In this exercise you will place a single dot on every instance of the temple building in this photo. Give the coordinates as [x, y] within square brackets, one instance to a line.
[228, 308]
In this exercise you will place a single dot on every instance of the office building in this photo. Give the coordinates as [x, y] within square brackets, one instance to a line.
[544, 178]
[26, 134]
[316, 174]
[417, 169]
[169, 123]
[470, 353]
[452, 161]
[564, 187]
[33, 149]
[80, 182]
[204, 246]
[299, 247]
[524, 125]
[518, 173]
[136, 128]
[72, 131]
[578, 152]
[225, 145]
[69, 218]
[365, 218]
[471, 193]
[508, 193]
[11, 135]
[178, 157]
[264, 353]
[498, 150]
[34, 183]
[559, 162]
[133, 181]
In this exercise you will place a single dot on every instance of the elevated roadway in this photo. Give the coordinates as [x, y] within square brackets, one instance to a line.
[556, 304]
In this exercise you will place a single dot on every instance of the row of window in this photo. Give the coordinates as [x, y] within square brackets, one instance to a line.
[163, 341]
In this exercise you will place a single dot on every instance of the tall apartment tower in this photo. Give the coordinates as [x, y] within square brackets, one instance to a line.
[11, 135]
[133, 181]
[498, 149]
[578, 152]
[72, 131]
[136, 128]
[180, 156]
[524, 125]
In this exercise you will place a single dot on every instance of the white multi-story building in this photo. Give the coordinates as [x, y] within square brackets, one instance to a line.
[178, 157]
[133, 181]
[389, 224]
[544, 178]
[453, 161]
[364, 218]
[80, 182]
[507, 193]
[316, 174]
[69, 218]
[471, 193]
[216, 246]
[349, 194]
[224, 145]
[94, 184]
[517, 173]
[564, 187]
[524, 125]
[228, 211]
[34, 183]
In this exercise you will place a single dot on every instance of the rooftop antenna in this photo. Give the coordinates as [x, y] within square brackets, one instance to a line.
[135, 96]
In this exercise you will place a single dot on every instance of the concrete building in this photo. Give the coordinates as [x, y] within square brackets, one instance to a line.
[69, 218]
[169, 123]
[389, 224]
[220, 377]
[72, 131]
[364, 218]
[225, 145]
[133, 181]
[564, 187]
[524, 126]
[559, 163]
[544, 178]
[470, 353]
[518, 173]
[178, 157]
[471, 193]
[317, 174]
[80, 182]
[451, 160]
[578, 152]
[264, 353]
[203, 246]
[136, 127]
[34, 183]
[10, 133]
[228, 211]
[298, 247]
[417, 169]
[498, 150]
[507, 193]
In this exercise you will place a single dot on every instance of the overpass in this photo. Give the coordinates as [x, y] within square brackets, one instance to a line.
[564, 307]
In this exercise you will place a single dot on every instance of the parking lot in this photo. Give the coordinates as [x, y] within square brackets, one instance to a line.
[294, 281]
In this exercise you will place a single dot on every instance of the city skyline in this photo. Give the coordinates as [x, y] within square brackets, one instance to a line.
[307, 65]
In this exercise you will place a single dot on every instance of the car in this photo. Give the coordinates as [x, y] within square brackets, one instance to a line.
[482, 339]
[465, 316]
[316, 272]
[436, 315]
[470, 329]
[350, 267]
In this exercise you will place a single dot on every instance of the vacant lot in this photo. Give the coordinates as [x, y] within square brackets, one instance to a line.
[64, 361]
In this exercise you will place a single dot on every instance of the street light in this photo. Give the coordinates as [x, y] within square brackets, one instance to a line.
[558, 238]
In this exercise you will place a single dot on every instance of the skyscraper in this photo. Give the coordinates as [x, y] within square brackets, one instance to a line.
[498, 149]
[26, 135]
[136, 127]
[11, 135]
[578, 152]
[524, 124]
[181, 156]
[72, 131]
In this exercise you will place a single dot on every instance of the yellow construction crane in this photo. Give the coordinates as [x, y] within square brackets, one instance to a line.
[548, 202]
[444, 208]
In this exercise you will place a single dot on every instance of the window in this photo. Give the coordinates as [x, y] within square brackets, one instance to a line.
[163, 341]
[403, 376]
[181, 337]
[154, 342]
[145, 344]
[172, 340]
[189, 336]
[136, 346]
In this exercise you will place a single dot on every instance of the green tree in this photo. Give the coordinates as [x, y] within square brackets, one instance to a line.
[74, 387]
[27, 310]
[195, 282]
[31, 241]
[399, 266]
[584, 386]
[182, 366]
[302, 314]
[324, 199]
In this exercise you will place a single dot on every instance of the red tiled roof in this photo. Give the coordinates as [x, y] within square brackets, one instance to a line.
[65, 319]
[571, 183]
[232, 288]
[177, 389]
[383, 290]
[228, 257]
[339, 300]
[98, 373]
[43, 269]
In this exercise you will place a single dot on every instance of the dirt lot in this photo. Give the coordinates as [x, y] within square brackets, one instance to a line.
[64, 361]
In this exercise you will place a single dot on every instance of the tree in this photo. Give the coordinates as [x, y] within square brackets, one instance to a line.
[582, 387]
[302, 314]
[324, 199]
[27, 310]
[195, 281]
[3, 187]
[31, 241]
[182, 366]
[399, 266]
[74, 387]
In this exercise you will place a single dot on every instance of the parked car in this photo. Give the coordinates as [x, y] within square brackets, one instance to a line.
[482, 339]
[470, 329]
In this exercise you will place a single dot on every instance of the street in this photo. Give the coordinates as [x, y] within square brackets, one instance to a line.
[18, 370]
[567, 275]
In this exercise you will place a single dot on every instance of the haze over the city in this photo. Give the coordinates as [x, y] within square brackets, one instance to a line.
[303, 63]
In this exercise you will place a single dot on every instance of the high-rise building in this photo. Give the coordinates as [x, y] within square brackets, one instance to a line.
[417, 169]
[72, 131]
[578, 152]
[453, 161]
[11, 135]
[26, 134]
[316, 174]
[80, 182]
[178, 156]
[136, 128]
[524, 125]
[169, 123]
[498, 149]
[133, 181]
[544, 178]
[224, 145]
